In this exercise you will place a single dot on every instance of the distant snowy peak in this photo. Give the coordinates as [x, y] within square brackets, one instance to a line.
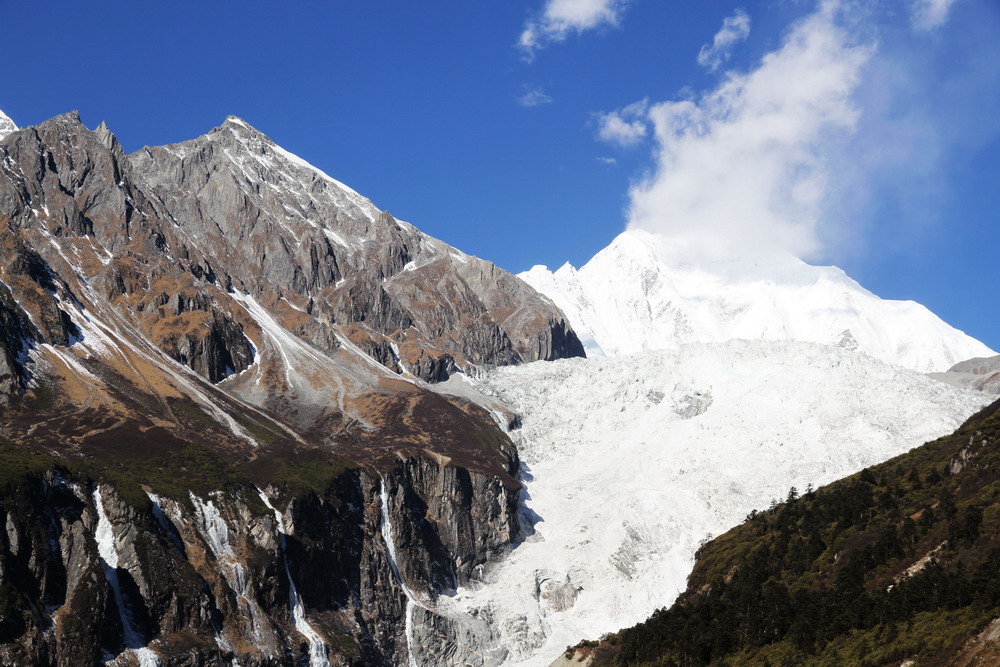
[7, 126]
[645, 292]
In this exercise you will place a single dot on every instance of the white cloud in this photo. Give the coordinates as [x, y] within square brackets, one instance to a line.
[607, 160]
[533, 97]
[930, 14]
[626, 126]
[560, 18]
[735, 29]
[745, 166]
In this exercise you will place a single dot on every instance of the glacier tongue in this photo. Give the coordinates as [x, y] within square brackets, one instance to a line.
[634, 460]
[644, 291]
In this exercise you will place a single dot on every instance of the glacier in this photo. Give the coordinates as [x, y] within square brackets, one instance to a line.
[631, 462]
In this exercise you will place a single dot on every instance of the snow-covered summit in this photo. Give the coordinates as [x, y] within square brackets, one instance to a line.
[645, 292]
[6, 125]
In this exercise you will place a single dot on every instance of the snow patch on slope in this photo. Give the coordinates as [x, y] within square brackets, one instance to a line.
[645, 292]
[7, 126]
[214, 529]
[317, 647]
[632, 461]
[293, 172]
[390, 550]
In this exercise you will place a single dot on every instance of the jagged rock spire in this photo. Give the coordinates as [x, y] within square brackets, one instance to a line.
[106, 136]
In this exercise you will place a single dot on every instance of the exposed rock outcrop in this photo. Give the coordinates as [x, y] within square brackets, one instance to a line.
[206, 580]
[981, 374]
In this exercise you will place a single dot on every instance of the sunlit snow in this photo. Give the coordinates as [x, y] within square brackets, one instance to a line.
[645, 292]
[631, 462]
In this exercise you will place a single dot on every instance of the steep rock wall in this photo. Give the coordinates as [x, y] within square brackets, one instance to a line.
[204, 581]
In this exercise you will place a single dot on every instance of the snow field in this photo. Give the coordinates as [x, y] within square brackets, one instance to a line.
[633, 461]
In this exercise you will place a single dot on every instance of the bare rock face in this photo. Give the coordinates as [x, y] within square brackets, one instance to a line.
[272, 223]
[211, 344]
[187, 326]
[980, 373]
[977, 366]
[16, 338]
[86, 573]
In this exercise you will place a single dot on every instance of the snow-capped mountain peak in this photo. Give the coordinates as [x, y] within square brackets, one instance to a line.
[7, 125]
[647, 291]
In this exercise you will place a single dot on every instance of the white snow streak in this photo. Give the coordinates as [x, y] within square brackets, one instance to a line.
[411, 599]
[107, 549]
[317, 647]
[214, 529]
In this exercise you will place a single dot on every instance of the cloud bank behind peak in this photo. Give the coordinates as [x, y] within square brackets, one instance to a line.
[744, 166]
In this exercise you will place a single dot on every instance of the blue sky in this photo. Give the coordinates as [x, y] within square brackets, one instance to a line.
[533, 132]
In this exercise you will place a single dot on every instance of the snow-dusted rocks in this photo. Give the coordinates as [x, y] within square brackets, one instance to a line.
[273, 223]
[6, 125]
[632, 461]
[646, 292]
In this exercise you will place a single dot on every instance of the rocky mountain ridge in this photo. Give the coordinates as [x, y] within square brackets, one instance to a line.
[980, 374]
[189, 326]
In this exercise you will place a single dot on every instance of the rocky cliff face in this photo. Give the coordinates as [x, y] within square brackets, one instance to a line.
[323, 577]
[183, 328]
[273, 223]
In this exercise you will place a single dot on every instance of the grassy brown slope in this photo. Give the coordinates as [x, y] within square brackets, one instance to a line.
[900, 561]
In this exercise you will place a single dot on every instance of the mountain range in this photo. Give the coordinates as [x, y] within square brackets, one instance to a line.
[248, 418]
